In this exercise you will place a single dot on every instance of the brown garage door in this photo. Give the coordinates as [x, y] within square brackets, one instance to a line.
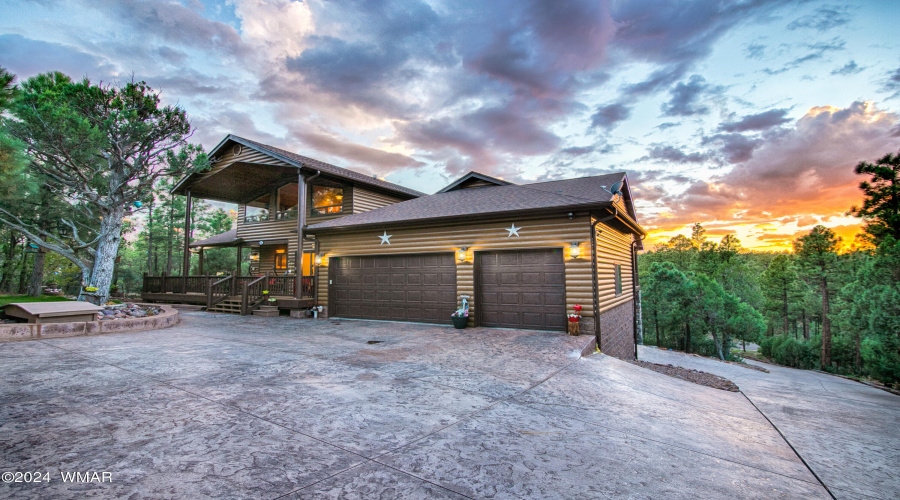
[393, 287]
[522, 289]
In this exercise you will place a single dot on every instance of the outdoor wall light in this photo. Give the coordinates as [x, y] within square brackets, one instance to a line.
[254, 256]
[319, 259]
[575, 250]
[462, 253]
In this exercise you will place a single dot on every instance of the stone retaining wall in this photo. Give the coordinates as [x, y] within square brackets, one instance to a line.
[617, 331]
[28, 331]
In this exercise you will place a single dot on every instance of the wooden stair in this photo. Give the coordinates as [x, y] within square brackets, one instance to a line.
[231, 305]
[266, 311]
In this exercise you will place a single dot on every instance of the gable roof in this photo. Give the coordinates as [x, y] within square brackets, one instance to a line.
[300, 162]
[312, 163]
[474, 176]
[493, 201]
[227, 239]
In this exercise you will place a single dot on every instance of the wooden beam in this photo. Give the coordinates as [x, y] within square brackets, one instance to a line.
[186, 266]
[240, 251]
[301, 221]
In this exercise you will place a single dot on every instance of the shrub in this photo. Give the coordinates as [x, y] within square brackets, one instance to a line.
[882, 362]
[788, 351]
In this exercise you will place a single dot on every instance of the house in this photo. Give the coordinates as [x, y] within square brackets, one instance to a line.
[523, 255]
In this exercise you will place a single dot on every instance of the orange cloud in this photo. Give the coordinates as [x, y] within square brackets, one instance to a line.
[794, 178]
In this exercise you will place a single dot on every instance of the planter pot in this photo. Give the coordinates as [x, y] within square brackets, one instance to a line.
[459, 322]
[574, 328]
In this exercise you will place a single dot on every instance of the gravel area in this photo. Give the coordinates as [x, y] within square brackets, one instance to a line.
[695, 376]
[129, 310]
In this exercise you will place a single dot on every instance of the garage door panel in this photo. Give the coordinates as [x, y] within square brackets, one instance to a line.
[509, 259]
[418, 287]
[532, 278]
[555, 299]
[522, 289]
[509, 299]
[509, 278]
[533, 299]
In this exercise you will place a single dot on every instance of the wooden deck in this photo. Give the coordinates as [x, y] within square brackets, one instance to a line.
[253, 291]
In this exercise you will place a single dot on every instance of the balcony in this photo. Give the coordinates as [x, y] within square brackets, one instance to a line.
[270, 216]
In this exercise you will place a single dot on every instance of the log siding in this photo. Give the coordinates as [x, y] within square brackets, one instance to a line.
[556, 232]
[613, 248]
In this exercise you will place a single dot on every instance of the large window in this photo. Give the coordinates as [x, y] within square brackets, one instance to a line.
[327, 200]
[258, 209]
[287, 202]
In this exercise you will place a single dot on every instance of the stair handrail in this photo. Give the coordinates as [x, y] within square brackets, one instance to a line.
[214, 295]
[251, 295]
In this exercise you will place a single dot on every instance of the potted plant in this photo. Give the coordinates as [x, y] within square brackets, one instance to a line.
[574, 321]
[460, 318]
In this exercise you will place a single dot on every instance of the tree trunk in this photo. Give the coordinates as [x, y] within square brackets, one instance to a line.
[805, 326]
[656, 320]
[9, 264]
[718, 345]
[687, 337]
[857, 359]
[105, 259]
[150, 238]
[23, 270]
[169, 242]
[826, 326]
[784, 309]
[35, 284]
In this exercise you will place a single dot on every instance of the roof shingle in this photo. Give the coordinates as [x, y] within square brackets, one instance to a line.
[488, 200]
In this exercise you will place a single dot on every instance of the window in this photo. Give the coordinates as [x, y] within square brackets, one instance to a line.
[618, 279]
[287, 202]
[327, 200]
[258, 209]
[280, 259]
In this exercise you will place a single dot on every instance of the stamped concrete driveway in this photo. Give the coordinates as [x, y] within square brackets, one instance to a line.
[845, 431]
[230, 407]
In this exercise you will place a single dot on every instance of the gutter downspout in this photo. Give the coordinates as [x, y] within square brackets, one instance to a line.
[596, 284]
[635, 296]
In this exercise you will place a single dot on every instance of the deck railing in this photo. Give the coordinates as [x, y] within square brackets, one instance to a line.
[252, 294]
[219, 290]
[215, 289]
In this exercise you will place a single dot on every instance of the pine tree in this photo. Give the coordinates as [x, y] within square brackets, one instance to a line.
[816, 256]
[881, 206]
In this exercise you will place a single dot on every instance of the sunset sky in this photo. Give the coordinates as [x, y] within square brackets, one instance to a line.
[745, 115]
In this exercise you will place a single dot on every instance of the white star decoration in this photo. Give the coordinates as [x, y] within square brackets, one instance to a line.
[513, 231]
[386, 238]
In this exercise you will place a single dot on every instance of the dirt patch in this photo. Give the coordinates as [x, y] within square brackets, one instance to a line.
[695, 376]
[746, 365]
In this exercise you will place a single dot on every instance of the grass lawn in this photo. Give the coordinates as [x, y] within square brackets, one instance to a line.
[8, 299]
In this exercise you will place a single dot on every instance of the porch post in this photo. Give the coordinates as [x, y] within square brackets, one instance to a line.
[201, 261]
[301, 221]
[186, 267]
[240, 250]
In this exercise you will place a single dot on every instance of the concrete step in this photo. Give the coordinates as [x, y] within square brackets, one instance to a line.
[267, 313]
[268, 308]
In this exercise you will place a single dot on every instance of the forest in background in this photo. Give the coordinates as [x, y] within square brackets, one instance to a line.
[21, 261]
[814, 307]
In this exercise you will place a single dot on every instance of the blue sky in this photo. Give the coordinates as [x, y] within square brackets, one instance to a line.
[746, 115]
